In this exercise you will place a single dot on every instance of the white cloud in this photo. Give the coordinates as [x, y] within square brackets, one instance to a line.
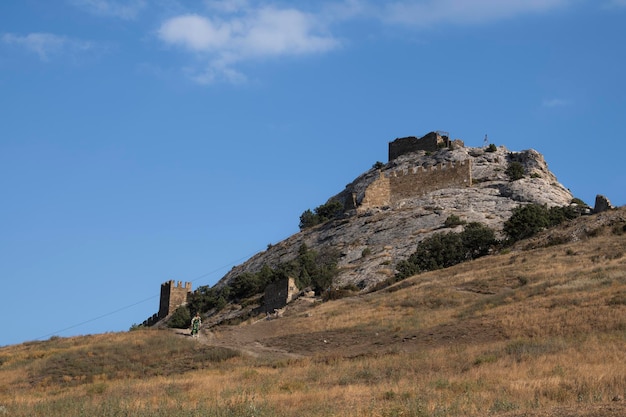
[46, 45]
[128, 9]
[233, 32]
[283, 32]
[196, 33]
[253, 34]
[423, 13]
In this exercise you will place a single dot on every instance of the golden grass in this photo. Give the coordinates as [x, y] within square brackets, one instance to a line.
[520, 332]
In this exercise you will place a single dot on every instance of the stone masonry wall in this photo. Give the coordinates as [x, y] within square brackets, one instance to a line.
[173, 296]
[279, 294]
[393, 187]
[429, 142]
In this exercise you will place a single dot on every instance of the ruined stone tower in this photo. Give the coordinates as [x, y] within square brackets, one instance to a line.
[173, 296]
[430, 142]
[278, 294]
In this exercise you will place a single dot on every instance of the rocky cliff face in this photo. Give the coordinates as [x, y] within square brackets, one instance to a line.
[373, 240]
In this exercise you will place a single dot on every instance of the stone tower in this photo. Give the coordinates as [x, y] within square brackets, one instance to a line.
[173, 296]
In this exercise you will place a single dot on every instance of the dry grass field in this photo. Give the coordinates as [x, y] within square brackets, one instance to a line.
[537, 331]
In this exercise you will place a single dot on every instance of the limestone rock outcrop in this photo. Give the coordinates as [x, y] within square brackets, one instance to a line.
[391, 232]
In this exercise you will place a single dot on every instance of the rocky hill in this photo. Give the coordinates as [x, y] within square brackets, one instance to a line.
[373, 239]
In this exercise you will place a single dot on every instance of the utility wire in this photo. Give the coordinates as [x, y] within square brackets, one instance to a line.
[139, 302]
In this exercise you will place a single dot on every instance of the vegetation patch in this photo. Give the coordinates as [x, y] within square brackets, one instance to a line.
[524, 349]
[443, 250]
[156, 354]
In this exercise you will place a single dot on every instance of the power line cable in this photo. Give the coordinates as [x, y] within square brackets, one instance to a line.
[139, 302]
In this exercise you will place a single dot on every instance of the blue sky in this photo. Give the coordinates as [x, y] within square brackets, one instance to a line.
[143, 141]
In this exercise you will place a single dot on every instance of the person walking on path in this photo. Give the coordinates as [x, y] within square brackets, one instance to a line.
[195, 325]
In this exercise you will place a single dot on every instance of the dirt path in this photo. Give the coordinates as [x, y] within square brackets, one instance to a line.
[246, 339]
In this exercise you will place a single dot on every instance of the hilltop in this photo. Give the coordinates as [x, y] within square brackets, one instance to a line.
[377, 221]
[389, 233]
[538, 330]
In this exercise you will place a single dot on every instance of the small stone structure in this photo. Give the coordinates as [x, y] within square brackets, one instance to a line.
[278, 294]
[430, 142]
[173, 295]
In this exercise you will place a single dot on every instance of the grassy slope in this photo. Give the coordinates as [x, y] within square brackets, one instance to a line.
[533, 332]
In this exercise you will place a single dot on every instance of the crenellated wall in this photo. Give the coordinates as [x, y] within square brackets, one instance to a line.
[395, 186]
[173, 296]
[430, 142]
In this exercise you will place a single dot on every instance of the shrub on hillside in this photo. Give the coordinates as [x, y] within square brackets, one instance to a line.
[446, 249]
[181, 318]
[491, 148]
[312, 268]
[308, 219]
[453, 220]
[246, 285]
[331, 210]
[527, 220]
[206, 298]
[515, 171]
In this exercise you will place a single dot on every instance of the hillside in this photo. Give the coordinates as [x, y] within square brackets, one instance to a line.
[389, 233]
[539, 330]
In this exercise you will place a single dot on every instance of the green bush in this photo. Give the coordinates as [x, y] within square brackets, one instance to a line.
[515, 171]
[308, 219]
[491, 148]
[246, 285]
[453, 220]
[206, 298]
[181, 318]
[331, 210]
[527, 220]
[446, 249]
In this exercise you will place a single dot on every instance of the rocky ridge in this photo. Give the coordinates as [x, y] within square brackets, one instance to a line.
[373, 241]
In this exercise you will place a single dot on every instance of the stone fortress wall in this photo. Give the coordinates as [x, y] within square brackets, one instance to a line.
[279, 294]
[392, 187]
[173, 295]
[388, 189]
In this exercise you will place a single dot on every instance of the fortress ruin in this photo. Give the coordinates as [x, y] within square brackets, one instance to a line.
[392, 187]
[278, 294]
[173, 295]
[386, 189]
[430, 142]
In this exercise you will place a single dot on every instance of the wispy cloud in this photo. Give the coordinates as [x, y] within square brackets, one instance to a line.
[612, 4]
[225, 39]
[555, 102]
[228, 33]
[227, 6]
[128, 9]
[424, 13]
[46, 45]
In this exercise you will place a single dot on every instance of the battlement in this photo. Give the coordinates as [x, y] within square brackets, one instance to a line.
[392, 187]
[430, 142]
[173, 295]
